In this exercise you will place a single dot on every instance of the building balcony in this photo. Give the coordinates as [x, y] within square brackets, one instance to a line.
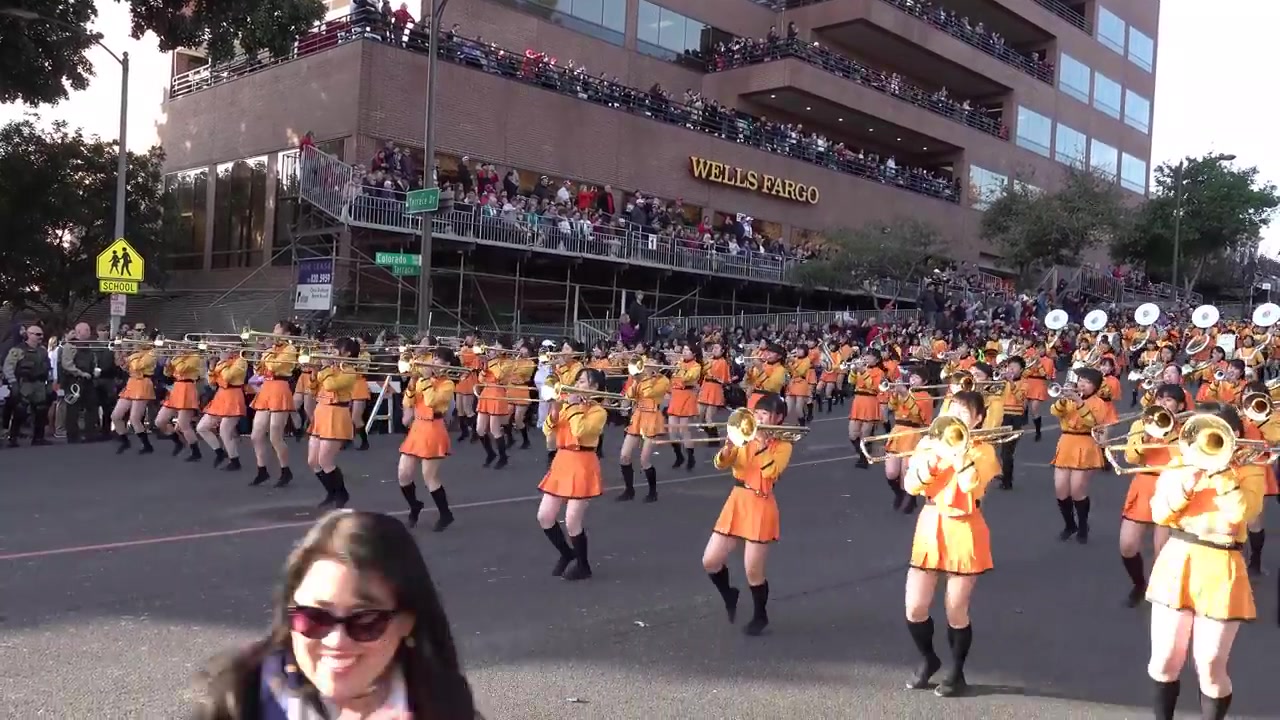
[891, 85]
[1072, 13]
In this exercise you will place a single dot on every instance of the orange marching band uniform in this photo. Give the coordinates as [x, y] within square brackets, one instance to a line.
[276, 366]
[646, 416]
[911, 411]
[184, 369]
[465, 388]
[715, 377]
[141, 366]
[1138, 452]
[575, 470]
[951, 535]
[1077, 449]
[684, 389]
[334, 387]
[765, 378]
[428, 438]
[493, 404]
[228, 377]
[799, 383]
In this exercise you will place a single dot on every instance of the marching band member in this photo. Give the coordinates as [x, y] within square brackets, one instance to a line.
[274, 403]
[1228, 390]
[545, 372]
[1199, 588]
[1203, 373]
[1110, 390]
[464, 400]
[360, 394]
[992, 398]
[522, 372]
[684, 404]
[814, 356]
[426, 405]
[138, 392]
[1267, 430]
[951, 539]
[332, 426]
[750, 514]
[492, 409]
[576, 423]
[225, 409]
[767, 374]
[711, 393]
[1014, 403]
[830, 376]
[1078, 455]
[799, 390]
[912, 410]
[304, 400]
[565, 367]
[1136, 516]
[182, 401]
[864, 411]
[646, 393]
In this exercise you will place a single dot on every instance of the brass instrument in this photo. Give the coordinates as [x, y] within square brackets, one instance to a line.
[744, 359]
[1259, 406]
[486, 349]
[1058, 390]
[886, 386]
[1219, 376]
[607, 400]
[741, 428]
[247, 335]
[1055, 321]
[1156, 422]
[1190, 369]
[547, 358]
[306, 358]
[946, 433]
[1196, 345]
[1206, 443]
[639, 365]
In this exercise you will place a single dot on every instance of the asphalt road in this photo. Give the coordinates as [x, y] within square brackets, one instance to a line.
[120, 576]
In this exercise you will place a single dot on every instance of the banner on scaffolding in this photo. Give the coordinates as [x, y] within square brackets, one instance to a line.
[315, 284]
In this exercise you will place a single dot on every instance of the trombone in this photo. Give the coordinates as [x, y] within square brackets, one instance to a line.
[1206, 443]
[607, 400]
[1259, 406]
[947, 433]
[486, 349]
[547, 358]
[639, 365]
[1157, 422]
[248, 335]
[741, 428]
[306, 358]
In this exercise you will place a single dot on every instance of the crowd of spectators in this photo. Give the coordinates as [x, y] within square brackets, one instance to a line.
[741, 52]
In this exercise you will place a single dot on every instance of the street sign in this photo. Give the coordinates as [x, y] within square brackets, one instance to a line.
[121, 262]
[118, 305]
[119, 287]
[390, 259]
[422, 201]
[406, 270]
[315, 284]
[1266, 286]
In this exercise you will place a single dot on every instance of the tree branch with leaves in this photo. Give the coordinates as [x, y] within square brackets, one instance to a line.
[849, 257]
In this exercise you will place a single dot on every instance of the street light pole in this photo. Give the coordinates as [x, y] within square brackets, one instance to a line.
[429, 166]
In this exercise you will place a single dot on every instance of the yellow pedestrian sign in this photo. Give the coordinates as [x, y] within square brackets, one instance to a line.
[120, 268]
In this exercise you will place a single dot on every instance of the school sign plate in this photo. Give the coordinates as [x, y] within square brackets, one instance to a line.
[120, 268]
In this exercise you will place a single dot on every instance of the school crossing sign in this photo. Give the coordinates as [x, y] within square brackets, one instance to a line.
[120, 268]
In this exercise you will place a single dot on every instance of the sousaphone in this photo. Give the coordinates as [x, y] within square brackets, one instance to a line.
[1203, 317]
[1145, 316]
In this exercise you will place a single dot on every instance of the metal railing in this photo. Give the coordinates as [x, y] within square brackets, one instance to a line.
[1053, 6]
[832, 62]
[1057, 8]
[665, 325]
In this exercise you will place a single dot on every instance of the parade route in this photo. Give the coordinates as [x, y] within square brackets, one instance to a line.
[121, 575]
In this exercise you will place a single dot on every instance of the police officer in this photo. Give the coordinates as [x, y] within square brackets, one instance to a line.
[26, 369]
[109, 381]
[79, 371]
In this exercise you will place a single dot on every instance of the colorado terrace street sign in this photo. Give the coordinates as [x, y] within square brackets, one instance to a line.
[401, 264]
[422, 201]
[718, 172]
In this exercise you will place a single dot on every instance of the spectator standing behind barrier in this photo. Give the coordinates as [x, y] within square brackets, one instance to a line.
[639, 314]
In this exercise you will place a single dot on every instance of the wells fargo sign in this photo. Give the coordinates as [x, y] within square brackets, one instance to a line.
[718, 172]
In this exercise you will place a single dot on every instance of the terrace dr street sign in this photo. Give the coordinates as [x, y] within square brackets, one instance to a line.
[422, 201]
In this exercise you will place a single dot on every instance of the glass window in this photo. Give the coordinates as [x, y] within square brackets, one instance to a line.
[671, 31]
[985, 187]
[240, 207]
[1073, 78]
[602, 19]
[1142, 49]
[667, 34]
[1034, 131]
[615, 15]
[1111, 30]
[1133, 173]
[1069, 146]
[1106, 95]
[186, 196]
[1103, 159]
[650, 19]
[1137, 111]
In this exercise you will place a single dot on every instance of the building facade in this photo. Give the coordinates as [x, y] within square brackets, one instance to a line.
[802, 114]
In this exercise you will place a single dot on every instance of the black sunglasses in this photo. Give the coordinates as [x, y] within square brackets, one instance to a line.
[362, 626]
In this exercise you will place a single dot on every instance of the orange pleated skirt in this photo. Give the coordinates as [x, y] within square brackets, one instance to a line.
[829, 377]
[1137, 502]
[799, 388]
[1037, 389]
[183, 396]
[428, 439]
[493, 402]
[864, 408]
[647, 423]
[1078, 451]
[304, 385]
[361, 389]
[749, 516]
[956, 545]
[1211, 582]
[332, 422]
[227, 402]
[275, 396]
[466, 386]
[711, 393]
[519, 399]
[903, 438]
[139, 389]
[684, 403]
[573, 475]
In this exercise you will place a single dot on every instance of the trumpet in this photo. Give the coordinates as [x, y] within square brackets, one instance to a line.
[886, 386]
[1258, 407]
[1058, 390]
[744, 359]
[947, 433]
[1207, 443]
[1219, 376]
[639, 365]
[1157, 422]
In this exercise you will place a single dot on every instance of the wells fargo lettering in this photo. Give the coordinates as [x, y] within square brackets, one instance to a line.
[718, 172]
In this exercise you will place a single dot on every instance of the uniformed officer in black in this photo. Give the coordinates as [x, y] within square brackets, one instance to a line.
[27, 370]
[79, 372]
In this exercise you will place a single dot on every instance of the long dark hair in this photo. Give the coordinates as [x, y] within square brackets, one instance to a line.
[371, 544]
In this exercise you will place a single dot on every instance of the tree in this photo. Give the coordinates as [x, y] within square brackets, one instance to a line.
[1223, 212]
[1036, 230]
[900, 249]
[43, 60]
[57, 212]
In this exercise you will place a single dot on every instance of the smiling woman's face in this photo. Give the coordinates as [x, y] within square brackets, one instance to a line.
[341, 667]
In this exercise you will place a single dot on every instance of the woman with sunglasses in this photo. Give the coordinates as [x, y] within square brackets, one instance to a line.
[357, 631]
[332, 427]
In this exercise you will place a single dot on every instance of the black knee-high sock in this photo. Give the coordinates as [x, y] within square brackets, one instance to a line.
[857, 447]
[679, 454]
[524, 434]
[1067, 510]
[651, 476]
[556, 536]
[1082, 512]
[629, 477]
[1136, 569]
[1256, 541]
[713, 432]
[1214, 708]
[760, 605]
[720, 579]
[1037, 421]
[895, 487]
[441, 499]
[487, 442]
[922, 636]
[959, 639]
[1166, 699]
[580, 550]
[502, 447]
[410, 493]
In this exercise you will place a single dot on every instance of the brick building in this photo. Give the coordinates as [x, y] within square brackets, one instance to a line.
[850, 111]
